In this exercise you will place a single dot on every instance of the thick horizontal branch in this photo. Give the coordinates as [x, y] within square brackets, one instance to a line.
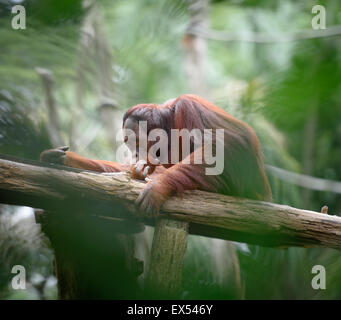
[209, 214]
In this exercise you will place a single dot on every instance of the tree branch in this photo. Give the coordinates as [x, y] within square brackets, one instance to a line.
[53, 119]
[304, 180]
[214, 215]
[265, 38]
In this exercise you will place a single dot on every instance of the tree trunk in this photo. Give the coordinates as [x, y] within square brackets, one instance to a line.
[167, 257]
[92, 259]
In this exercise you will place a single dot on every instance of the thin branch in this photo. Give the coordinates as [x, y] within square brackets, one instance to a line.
[265, 38]
[305, 181]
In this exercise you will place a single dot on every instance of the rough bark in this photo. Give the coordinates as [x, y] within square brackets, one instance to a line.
[208, 214]
[167, 256]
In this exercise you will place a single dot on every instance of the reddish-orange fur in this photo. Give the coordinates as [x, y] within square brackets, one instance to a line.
[76, 161]
[243, 173]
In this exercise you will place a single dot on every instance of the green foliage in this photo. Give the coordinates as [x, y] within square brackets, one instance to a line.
[276, 88]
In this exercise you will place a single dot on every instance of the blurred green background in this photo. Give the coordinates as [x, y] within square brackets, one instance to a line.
[67, 78]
